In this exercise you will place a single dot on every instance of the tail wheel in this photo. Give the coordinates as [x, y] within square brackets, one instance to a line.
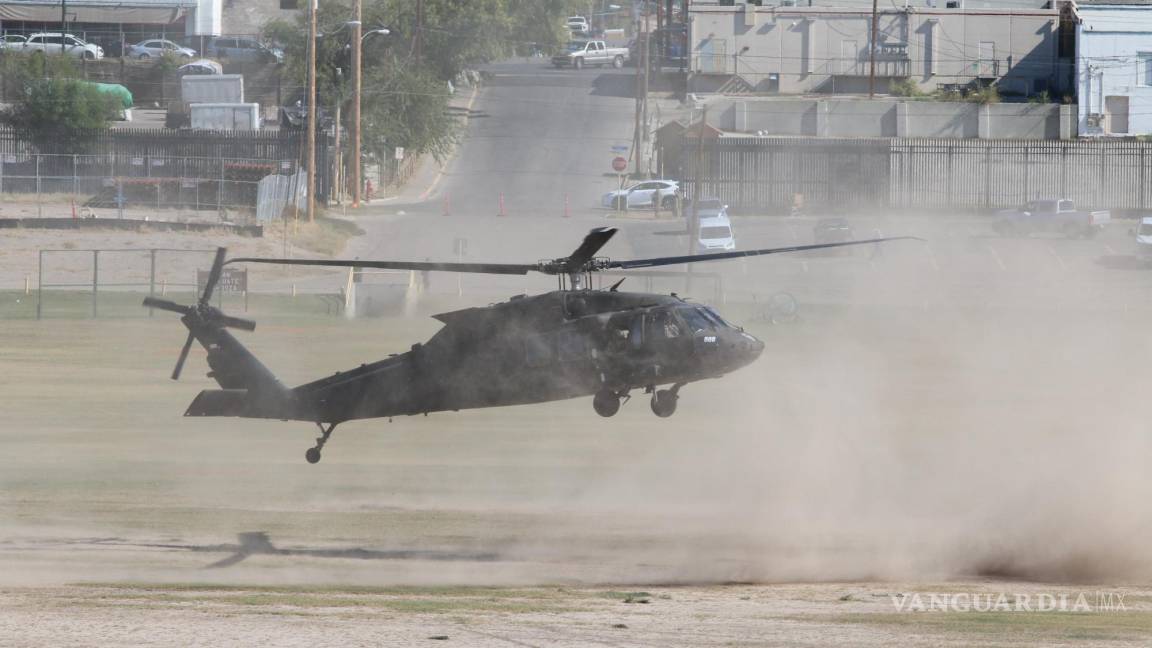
[606, 403]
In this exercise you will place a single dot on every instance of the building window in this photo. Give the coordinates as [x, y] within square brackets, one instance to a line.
[289, 4]
[1144, 69]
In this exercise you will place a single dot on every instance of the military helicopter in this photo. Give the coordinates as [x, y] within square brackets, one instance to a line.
[567, 343]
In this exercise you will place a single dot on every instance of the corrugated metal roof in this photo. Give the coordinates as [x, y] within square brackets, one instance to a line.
[1115, 3]
[889, 5]
[159, 4]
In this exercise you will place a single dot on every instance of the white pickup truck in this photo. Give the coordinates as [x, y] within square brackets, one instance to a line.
[1051, 216]
[580, 53]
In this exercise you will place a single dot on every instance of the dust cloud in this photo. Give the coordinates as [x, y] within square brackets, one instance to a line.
[929, 428]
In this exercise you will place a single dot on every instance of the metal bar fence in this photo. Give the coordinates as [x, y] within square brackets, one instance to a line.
[764, 173]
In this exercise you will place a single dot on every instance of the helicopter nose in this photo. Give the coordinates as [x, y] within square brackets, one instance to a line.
[752, 346]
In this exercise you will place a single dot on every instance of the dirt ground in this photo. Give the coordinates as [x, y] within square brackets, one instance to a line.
[867, 454]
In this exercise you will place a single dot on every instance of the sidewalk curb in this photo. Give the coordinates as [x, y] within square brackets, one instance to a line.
[440, 174]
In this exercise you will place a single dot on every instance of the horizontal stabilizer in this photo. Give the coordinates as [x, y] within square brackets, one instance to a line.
[219, 402]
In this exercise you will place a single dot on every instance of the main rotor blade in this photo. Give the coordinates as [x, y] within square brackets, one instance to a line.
[214, 275]
[183, 356]
[595, 240]
[482, 268]
[164, 304]
[720, 256]
[237, 323]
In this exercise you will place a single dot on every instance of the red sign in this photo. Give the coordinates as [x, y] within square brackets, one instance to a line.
[619, 164]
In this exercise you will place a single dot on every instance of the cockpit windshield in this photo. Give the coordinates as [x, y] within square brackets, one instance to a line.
[696, 319]
[715, 317]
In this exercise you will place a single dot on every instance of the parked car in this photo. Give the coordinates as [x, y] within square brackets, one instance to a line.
[200, 66]
[643, 194]
[1143, 236]
[52, 42]
[832, 230]
[157, 47]
[12, 42]
[578, 24]
[294, 114]
[245, 50]
[580, 53]
[1051, 216]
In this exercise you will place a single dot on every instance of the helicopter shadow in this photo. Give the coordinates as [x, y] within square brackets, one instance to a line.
[257, 543]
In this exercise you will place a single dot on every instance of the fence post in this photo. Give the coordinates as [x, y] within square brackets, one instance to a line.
[987, 174]
[75, 176]
[39, 213]
[40, 285]
[220, 193]
[1142, 150]
[95, 282]
[151, 277]
[948, 199]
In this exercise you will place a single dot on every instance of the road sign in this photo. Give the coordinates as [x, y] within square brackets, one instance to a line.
[619, 164]
[620, 149]
[232, 280]
[399, 153]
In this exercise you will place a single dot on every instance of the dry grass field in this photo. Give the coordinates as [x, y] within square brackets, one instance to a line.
[866, 455]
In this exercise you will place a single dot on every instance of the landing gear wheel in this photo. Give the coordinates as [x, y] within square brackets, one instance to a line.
[664, 402]
[606, 403]
[313, 454]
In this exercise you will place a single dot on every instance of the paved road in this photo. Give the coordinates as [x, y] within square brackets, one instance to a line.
[536, 134]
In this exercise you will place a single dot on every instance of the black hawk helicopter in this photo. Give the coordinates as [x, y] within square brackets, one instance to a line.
[562, 344]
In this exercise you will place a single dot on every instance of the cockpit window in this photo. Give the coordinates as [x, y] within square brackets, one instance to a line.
[715, 317]
[696, 320]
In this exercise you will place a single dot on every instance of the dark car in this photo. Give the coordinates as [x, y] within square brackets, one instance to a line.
[294, 114]
[242, 50]
[833, 230]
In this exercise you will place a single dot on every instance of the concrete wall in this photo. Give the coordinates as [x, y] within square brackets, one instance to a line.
[1110, 42]
[248, 17]
[824, 49]
[892, 118]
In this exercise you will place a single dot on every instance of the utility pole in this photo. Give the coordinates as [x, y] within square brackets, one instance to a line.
[693, 225]
[357, 74]
[63, 23]
[641, 96]
[311, 103]
[872, 56]
[418, 43]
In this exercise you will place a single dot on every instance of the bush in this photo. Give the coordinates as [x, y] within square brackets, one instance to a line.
[904, 88]
[61, 114]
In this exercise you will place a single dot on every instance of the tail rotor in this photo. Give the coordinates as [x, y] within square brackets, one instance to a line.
[202, 314]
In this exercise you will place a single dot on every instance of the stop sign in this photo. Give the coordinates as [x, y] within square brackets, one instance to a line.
[619, 164]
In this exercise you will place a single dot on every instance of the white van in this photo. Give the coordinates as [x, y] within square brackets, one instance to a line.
[715, 234]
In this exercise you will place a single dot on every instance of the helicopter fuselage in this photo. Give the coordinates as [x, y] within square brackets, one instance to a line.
[554, 346]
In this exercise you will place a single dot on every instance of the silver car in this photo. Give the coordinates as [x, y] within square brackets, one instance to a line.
[157, 47]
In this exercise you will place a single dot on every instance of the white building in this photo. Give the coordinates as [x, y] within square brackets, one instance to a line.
[1114, 67]
[822, 46]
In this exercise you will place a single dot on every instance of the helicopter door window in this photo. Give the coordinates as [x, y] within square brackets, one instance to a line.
[665, 325]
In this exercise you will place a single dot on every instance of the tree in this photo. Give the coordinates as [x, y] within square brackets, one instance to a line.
[57, 112]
